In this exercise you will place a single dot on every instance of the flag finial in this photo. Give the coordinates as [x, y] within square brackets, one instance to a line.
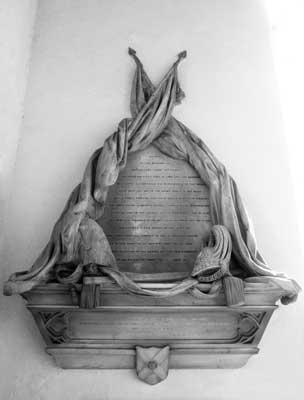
[131, 51]
[182, 54]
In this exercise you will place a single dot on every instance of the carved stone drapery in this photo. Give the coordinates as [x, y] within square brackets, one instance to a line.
[77, 239]
[93, 315]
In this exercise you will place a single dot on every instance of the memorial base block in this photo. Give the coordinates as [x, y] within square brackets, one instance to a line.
[200, 332]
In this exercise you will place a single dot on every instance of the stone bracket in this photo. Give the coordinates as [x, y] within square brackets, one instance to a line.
[152, 364]
[147, 334]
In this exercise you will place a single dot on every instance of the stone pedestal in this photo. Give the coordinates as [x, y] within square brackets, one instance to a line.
[200, 332]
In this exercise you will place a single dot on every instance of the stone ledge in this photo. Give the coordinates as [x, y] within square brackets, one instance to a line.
[104, 358]
[200, 332]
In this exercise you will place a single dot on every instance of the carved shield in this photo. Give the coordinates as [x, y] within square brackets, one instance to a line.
[152, 364]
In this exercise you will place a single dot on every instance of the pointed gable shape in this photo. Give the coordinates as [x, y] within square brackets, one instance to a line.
[77, 238]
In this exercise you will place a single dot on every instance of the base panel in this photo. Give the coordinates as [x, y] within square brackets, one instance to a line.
[101, 358]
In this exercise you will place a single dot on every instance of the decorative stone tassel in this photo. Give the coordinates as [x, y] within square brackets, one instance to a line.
[234, 291]
[90, 296]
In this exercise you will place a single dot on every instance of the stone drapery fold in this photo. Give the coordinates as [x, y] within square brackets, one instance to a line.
[78, 239]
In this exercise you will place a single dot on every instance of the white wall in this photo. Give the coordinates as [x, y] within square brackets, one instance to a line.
[287, 32]
[16, 30]
[78, 90]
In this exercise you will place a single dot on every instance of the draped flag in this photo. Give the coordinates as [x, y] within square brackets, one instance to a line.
[78, 239]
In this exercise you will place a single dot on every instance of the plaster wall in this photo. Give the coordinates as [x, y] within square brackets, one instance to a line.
[16, 28]
[78, 90]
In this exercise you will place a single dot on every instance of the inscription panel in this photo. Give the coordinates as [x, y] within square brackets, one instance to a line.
[143, 325]
[157, 214]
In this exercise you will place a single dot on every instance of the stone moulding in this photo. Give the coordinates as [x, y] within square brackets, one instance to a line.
[200, 332]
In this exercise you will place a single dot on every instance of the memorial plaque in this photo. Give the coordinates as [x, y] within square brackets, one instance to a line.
[159, 325]
[157, 214]
[157, 220]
